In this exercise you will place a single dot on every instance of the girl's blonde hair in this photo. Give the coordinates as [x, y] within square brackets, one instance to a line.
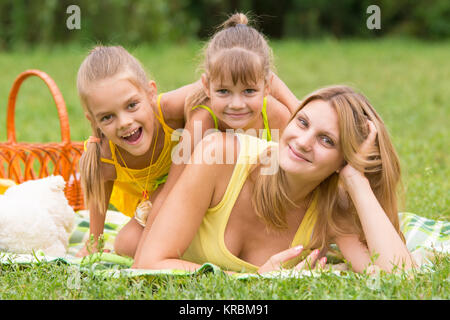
[237, 49]
[336, 212]
[101, 63]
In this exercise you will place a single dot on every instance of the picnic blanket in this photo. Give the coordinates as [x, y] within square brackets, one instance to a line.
[424, 238]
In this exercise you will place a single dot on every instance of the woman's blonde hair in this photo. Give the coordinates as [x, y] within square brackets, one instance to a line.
[101, 63]
[336, 212]
[237, 49]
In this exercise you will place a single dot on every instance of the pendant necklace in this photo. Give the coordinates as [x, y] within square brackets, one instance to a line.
[145, 205]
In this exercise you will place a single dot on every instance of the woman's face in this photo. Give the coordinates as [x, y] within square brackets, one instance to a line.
[310, 144]
[123, 113]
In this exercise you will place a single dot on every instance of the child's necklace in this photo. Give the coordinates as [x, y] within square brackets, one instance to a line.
[145, 205]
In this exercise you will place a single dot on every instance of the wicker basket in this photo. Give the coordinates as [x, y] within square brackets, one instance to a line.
[22, 161]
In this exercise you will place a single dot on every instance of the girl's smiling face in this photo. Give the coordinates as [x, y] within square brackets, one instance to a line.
[310, 144]
[237, 105]
[123, 113]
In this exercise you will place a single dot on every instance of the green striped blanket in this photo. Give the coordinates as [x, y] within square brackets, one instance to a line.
[424, 237]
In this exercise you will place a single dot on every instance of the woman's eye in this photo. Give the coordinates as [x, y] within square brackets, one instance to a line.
[303, 122]
[328, 141]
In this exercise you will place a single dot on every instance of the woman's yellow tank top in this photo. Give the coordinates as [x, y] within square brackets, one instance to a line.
[208, 244]
[126, 194]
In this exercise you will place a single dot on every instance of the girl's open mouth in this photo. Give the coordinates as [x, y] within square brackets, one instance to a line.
[134, 136]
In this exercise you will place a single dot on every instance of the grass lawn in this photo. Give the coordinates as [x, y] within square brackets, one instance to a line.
[407, 81]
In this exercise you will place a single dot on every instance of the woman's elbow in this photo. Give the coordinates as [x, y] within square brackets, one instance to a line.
[147, 262]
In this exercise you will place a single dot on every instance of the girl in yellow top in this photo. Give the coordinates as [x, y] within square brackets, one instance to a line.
[128, 157]
[239, 90]
[336, 183]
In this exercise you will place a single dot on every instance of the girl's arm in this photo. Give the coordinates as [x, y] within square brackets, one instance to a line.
[278, 116]
[96, 222]
[280, 91]
[181, 214]
[173, 102]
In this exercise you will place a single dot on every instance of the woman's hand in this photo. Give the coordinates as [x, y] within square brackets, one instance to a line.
[275, 262]
[348, 173]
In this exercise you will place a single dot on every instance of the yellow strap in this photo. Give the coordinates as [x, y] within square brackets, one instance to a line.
[266, 134]
[211, 112]
[107, 160]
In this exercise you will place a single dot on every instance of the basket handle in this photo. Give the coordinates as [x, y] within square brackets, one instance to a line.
[57, 97]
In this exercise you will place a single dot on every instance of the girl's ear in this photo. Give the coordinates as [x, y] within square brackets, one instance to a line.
[88, 116]
[205, 83]
[153, 91]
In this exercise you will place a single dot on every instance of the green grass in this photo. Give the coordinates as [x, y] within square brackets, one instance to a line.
[50, 281]
[407, 81]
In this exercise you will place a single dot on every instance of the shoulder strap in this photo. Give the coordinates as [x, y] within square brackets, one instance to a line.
[267, 134]
[210, 111]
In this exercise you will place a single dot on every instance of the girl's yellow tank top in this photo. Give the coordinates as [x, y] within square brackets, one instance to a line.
[266, 133]
[126, 194]
[208, 244]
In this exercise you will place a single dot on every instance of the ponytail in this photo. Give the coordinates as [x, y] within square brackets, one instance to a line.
[236, 20]
[92, 180]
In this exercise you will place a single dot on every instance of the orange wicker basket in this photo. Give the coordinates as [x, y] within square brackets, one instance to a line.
[22, 161]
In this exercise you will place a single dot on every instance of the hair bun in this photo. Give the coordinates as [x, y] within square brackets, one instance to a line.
[236, 20]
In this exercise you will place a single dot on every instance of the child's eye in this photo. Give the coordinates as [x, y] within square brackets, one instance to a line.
[222, 91]
[106, 118]
[132, 105]
[249, 91]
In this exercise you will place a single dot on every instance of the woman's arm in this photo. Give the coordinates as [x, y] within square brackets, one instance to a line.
[201, 120]
[381, 237]
[182, 212]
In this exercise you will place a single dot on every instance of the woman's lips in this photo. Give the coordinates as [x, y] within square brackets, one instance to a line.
[298, 155]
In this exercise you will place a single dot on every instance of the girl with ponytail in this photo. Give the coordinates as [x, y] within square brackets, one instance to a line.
[127, 159]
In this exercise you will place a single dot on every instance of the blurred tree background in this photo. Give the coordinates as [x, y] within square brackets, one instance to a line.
[132, 22]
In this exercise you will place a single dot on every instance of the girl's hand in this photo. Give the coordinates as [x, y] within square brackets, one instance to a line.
[275, 262]
[348, 172]
[85, 252]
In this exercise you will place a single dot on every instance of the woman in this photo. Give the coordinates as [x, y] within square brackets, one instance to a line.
[336, 183]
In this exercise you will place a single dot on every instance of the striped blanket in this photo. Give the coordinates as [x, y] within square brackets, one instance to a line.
[424, 238]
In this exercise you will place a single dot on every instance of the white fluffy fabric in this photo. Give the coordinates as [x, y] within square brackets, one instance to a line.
[36, 215]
